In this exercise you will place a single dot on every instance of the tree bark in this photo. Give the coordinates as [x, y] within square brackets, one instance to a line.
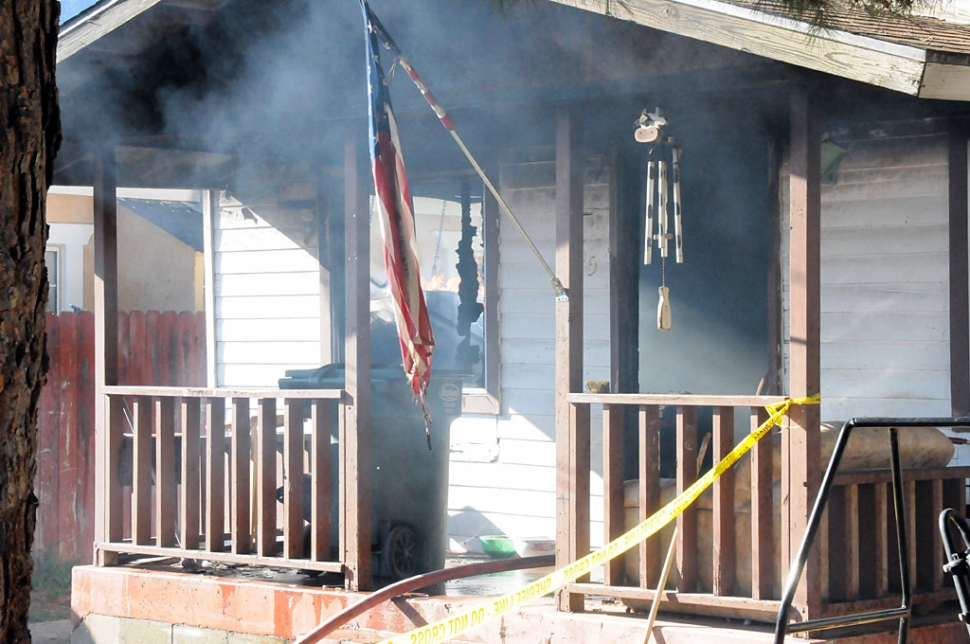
[28, 108]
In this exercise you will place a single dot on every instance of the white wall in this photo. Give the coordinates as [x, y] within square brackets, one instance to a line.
[70, 240]
[503, 467]
[885, 289]
[267, 293]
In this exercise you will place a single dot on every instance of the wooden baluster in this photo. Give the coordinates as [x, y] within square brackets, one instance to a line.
[838, 550]
[909, 502]
[293, 478]
[215, 472]
[141, 472]
[686, 571]
[165, 489]
[321, 416]
[239, 522]
[266, 479]
[723, 514]
[613, 487]
[928, 545]
[869, 530]
[115, 423]
[189, 517]
[649, 492]
[762, 512]
[884, 527]
[851, 544]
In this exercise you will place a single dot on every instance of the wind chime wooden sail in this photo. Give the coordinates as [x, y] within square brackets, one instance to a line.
[663, 196]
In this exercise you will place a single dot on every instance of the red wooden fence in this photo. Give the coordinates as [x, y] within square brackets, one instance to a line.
[164, 349]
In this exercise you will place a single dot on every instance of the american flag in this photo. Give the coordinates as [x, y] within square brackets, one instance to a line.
[396, 214]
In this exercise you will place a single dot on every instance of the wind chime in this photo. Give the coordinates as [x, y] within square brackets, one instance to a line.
[663, 196]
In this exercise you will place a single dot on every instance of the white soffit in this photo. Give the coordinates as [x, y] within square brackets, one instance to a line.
[861, 58]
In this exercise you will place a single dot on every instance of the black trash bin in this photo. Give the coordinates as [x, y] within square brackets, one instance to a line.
[409, 482]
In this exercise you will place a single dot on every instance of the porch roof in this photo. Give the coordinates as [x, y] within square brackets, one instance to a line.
[917, 55]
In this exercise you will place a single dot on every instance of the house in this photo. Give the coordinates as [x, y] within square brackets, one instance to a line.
[163, 216]
[857, 289]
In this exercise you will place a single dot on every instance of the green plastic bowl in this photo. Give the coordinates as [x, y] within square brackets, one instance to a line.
[498, 546]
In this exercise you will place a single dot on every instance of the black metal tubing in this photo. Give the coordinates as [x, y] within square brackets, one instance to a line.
[782, 627]
[957, 565]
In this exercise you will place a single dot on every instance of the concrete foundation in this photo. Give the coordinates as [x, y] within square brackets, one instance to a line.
[136, 606]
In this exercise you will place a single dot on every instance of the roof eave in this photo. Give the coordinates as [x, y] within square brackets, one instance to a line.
[868, 60]
[947, 77]
[88, 27]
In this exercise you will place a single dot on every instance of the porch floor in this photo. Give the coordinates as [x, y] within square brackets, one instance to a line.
[126, 604]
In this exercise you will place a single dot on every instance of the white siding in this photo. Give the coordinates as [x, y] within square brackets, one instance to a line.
[503, 467]
[267, 294]
[884, 291]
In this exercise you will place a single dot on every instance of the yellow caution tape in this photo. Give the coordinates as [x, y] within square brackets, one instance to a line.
[446, 629]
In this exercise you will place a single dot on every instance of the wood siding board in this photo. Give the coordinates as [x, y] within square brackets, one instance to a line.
[51, 426]
[87, 429]
[572, 423]
[240, 478]
[152, 366]
[189, 506]
[165, 485]
[723, 557]
[215, 469]
[959, 274]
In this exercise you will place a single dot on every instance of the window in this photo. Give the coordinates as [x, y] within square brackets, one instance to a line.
[456, 233]
[52, 259]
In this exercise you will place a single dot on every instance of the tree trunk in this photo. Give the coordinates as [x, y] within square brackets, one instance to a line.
[28, 105]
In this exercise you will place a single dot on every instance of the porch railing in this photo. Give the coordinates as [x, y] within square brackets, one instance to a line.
[857, 535]
[194, 473]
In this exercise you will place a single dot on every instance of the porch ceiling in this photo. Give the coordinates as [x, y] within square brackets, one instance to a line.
[920, 56]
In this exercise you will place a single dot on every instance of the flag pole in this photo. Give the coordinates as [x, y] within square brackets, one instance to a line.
[561, 292]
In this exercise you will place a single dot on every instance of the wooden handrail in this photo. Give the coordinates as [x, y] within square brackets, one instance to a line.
[684, 400]
[201, 392]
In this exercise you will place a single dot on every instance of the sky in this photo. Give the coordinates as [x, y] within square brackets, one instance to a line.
[71, 8]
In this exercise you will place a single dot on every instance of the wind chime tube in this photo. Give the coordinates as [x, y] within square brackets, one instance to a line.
[651, 210]
[662, 206]
[678, 229]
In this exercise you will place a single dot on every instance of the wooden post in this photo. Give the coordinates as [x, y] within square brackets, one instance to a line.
[959, 279]
[572, 422]
[210, 215]
[355, 499]
[108, 505]
[801, 441]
